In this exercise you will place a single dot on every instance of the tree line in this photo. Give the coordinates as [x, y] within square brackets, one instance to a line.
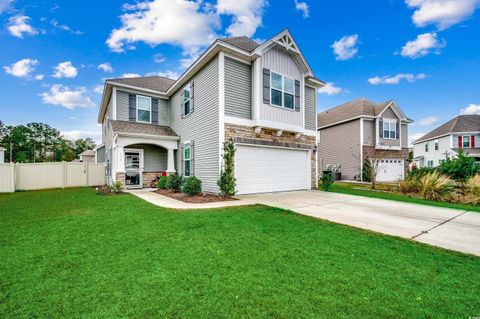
[39, 142]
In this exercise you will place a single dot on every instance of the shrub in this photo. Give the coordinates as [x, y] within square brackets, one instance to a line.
[227, 182]
[410, 185]
[418, 173]
[162, 182]
[367, 172]
[116, 187]
[192, 186]
[326, 181]
[472, 186]
[435, 186]
[174, 182]
[459, 168]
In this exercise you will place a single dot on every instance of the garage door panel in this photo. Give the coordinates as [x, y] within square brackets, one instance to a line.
[390, 170]
[263, 169]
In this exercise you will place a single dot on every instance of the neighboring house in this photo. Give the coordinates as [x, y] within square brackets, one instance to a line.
[361, 129]
[2, 155]
[262, 97]
[87, 156]
[460, 133]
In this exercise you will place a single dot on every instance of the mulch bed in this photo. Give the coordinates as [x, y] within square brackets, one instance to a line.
[202, 198]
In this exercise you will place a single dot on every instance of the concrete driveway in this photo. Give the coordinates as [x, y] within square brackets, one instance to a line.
[448, 228]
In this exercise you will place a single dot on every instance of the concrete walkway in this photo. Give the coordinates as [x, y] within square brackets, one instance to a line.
[448, 228]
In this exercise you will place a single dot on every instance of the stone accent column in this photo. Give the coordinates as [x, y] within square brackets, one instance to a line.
[170, 162]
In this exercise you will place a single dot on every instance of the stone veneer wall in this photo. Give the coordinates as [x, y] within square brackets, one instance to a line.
[371, 152]
[268, 137]
[147, 177]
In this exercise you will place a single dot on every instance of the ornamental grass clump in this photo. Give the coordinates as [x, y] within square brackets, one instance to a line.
[435, 186]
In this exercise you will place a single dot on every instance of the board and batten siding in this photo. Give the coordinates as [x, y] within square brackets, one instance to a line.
[154, 157]
[202, 126]
[340, 145]
[122, 107]
[278, 60]
[310, 108]
[238, 89]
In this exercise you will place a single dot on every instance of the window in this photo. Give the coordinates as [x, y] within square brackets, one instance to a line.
[426, 147]
[186, 100]
[282, 91]
[389, 130]
[186, 158]
[436, 145]
[144, 105]
[466, 141]
[430, 164]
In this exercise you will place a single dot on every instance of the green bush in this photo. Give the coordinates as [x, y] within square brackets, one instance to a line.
[162, 182]
[227, 182]
[417, 173]
[174, 182]
[326, 181]
[192, 186]
[460, 168]
[435, 186]
[116, 187]
[367, 172]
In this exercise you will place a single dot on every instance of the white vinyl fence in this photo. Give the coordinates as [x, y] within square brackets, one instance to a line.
[33, 176]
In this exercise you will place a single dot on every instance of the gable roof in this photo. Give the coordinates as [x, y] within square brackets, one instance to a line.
[243, 43]
[141, 128]
[87, 153]
[459, 124]
[156, 83]
[353, 109]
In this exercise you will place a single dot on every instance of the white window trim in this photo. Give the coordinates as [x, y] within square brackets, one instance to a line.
[184, 158]
[189, 99]
[149, 109]
[395, 129]
[469, 138]
[282, 91]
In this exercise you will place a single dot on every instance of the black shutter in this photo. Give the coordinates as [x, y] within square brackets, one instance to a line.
[192, 96]
[182, 161]
[154, 111]
[398, 131]
[192, 158]
[266, 86]
[380, 128]
[297, 96]
[132, 107]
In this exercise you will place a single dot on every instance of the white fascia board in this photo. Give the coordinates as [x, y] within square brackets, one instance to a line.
[221, 104]
[159, 94]
[270, 125]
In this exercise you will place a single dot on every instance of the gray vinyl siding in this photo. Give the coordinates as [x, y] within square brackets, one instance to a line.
[154, 157]
[368, 132]
[279, 60]
[101, 154]
[404, 136]
[340, 145]
[201, 126]
[310, 108]
[122, 107]
[238, 89]
[389, 114]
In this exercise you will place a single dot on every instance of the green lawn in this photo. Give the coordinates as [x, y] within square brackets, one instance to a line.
[356, 189]
[72, 253]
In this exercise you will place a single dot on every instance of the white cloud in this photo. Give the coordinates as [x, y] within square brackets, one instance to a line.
[158, 58]
[5, 5]
[67, 97]
[442, 13]
[39, 77]
[329, 89]
[178, 22]
[105, 67]
[167, 74]
[428, 121]
[471, 109]
[64, 27]
[409, 77]
[18, 26]
[22, 68]
[413, 137]
[98, 89]
[423, 45]
[247, 15]
[78, 134]
[65, 70]
[302, 6]
[345, 48]
[131, 75]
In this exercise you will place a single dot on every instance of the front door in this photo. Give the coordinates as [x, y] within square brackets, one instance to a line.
[133, 168]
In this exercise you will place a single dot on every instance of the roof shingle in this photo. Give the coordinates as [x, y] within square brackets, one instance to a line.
[141, 128]
[459, 124]
[156, 83]
[243, 43]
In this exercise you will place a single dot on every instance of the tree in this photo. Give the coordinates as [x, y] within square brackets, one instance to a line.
[375, 161]
[83, 145]
[227, 181]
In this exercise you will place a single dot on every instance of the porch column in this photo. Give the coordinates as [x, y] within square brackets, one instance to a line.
[170, 162]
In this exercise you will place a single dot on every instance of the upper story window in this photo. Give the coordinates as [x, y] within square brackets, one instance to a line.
[144, 109]
[436, 145]
[466, 141]
[187, 158]
[389, 130]
[426, 147]
[187, 96]
[282, 91]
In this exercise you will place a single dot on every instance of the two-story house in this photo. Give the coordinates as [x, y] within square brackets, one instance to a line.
[362, 129]
[261, 97]
[460, 133]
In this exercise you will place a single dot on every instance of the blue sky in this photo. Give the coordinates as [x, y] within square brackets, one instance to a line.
[54, 55]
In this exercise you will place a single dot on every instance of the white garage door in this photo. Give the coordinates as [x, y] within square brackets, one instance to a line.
[267, 169]
[390, 170]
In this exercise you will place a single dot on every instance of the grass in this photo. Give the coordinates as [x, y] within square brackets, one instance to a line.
[71, 253]
[364, 190]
